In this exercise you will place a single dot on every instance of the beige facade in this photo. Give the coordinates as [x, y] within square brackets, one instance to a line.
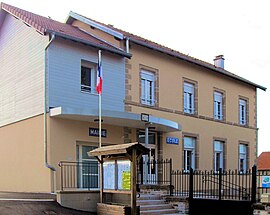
[22, 145]
[171, 75]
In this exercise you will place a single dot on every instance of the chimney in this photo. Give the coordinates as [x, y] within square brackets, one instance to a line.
[219, 61]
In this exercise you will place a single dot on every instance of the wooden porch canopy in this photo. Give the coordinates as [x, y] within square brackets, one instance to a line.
[120, 150]
[132, 151]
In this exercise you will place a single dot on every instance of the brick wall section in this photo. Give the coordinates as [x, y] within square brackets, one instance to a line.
[127, 135]
[128, 97]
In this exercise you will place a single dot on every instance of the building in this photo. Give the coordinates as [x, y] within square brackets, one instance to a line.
[264, 161]
[200, 115]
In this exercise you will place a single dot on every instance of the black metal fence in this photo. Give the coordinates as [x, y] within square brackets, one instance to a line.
[154, 172]
[79, 175]
[222, 185]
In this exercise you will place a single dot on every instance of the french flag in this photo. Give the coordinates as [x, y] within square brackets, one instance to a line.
[99, 74]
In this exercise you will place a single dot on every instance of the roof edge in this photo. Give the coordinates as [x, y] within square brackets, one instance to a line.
[118, 52]
[96, 25]
[190, 60]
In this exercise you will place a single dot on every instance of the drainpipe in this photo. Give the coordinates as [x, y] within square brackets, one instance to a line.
[45, 115]
[127, 45]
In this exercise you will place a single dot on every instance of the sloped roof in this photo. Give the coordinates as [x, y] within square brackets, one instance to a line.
[163, 49]
[45, 25]
[264, 161]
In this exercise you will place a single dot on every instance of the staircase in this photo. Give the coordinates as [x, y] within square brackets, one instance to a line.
[154, 204]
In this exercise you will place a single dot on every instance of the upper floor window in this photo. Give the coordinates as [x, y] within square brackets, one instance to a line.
[218, 105]
[218, 155]
[147, 88]
[243, 158]
[242, 112]
[189, 153]
[189, 95]
[88, 77]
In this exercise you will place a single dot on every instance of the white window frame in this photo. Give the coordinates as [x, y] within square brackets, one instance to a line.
[243, 157]
[93, 76]
[189, 97]
[218, 155]
[242, 112]
[79, 147]
[189, 148]
[147, 88]
[218, 105]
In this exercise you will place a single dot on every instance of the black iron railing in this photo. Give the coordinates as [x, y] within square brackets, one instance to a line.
[79, 175]
[154, 172]
[231, 185]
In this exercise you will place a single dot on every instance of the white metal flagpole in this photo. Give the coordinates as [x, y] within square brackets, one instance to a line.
[99, 97]
[99, 90]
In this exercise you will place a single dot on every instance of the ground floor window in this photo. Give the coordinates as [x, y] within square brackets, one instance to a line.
[87, 168]
[189, 153]
[218, 155]
[242, 158]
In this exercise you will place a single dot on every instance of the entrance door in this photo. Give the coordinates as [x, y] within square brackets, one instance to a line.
[87, 168]
[149, 169]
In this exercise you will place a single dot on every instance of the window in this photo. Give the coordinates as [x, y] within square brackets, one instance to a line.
[87, 168]
[242, 112]
[189, 153]
[242, 158]
[218, 155]
[88, 77]
[218, 105]
[147, 88]
[189, 98]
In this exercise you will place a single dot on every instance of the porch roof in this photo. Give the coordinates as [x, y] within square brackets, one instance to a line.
[119, 149]
[116, 118]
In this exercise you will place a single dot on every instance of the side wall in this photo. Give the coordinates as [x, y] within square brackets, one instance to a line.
[21, 72]
[22, 157]
[65, 77]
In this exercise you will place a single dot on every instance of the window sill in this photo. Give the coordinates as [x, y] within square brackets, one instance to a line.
[89, 93]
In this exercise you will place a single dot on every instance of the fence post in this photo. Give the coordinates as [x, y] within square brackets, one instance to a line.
[190, 190]
[171, 188]
[219, 183]
[254, 184]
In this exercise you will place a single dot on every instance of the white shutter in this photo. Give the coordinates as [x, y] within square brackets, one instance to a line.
[188, 97]
[218, 112]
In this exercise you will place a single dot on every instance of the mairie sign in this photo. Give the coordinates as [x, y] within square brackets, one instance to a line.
[172, 140]
[95, 132]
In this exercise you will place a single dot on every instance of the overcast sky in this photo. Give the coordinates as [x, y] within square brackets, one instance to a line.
[238, 29]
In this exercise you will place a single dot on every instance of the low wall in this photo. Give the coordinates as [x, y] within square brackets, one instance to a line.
[79, 200]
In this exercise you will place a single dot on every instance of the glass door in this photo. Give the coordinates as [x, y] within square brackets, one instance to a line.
[149, 167]
[87, 168]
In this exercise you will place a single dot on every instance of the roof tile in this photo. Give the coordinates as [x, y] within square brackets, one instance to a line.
[264, 161]
[45, 25]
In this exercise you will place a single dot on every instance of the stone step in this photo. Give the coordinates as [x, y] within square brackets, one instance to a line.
[161, 211]
[155, 207]
[149, 196]
[150, 202]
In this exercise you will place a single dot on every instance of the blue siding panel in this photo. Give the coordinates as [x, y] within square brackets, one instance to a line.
[65, 77]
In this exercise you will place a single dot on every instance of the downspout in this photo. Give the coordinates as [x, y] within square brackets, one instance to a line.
[45, 112]
[127, 45]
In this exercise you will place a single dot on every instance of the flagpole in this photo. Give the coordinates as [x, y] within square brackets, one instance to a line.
[99, 74]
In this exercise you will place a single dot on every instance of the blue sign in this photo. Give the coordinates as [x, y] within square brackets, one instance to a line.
[172, 140]
[266, 181]
[95, 132]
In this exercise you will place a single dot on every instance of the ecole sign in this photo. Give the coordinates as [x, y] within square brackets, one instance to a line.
[172, 140]
[95, 132]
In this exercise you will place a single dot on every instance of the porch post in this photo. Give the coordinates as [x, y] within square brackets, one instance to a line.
[133, 182]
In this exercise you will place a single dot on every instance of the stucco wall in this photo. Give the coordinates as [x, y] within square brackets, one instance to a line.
[22, 157]
[171, 73]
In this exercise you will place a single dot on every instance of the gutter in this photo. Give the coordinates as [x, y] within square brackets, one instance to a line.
[45, 108]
